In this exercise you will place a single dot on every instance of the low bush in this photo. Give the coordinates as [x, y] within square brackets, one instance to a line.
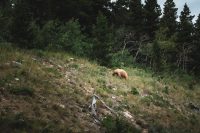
[134, 91]
[25, 91]
[121, 59]
[118, 125]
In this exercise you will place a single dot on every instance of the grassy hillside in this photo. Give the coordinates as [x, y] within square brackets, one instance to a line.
[43, 91]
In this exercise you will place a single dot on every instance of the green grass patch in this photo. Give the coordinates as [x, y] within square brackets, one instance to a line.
[20, 124]
[40, 53]
[156, 99]
[118, 125]
[134, 91]
[166, 90]
[101, 82]
[25, 91]
[75, 66]
[14, 124]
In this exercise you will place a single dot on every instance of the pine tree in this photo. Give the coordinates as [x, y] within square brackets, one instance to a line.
[22, 16]
[197, 30]
[184, 37]
[152, 12]
[87, 11]
[4, 3]
[120, 12]
[196, 47]
[169, 17]
[101, 43]
[136, 15]
[5, 20]
[185, 25]
[156, 56]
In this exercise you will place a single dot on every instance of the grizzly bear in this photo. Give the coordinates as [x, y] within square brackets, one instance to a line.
[120, 73]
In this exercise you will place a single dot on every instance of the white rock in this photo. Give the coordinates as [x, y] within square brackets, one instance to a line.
[17, 79]
[113, 97]
[59, 66]
[71, 59]
[34, 59]
[61, 105]
[128, 115]
[114, 89]
[16, 64]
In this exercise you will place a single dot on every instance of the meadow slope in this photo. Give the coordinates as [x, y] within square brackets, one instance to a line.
[44, 91]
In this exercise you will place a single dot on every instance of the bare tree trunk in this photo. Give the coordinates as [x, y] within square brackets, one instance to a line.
[137, 43]
[135, 57]
[124, 46]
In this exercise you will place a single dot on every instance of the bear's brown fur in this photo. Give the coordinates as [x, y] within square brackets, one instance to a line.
[120, 73]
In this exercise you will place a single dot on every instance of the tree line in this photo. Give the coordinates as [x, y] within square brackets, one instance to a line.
[120, 33]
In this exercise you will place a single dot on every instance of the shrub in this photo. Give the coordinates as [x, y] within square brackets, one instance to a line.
[71, 37]
[119, 60]
[48, 35]
[134, 91]
[118, 125]
[166, 90]
[26, 91]
[66, 36]
[75, 66]
[156, 56]
[102, 40]
[5, 23]
[156, 100]
[14, 123]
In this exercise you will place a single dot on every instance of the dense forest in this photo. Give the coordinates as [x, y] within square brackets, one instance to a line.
[121, 33]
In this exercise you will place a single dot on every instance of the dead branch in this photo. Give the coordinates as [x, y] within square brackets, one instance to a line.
[111, 110]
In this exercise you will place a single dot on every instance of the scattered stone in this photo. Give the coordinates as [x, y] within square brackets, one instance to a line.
[113, 97]
[16, 64]
[128, 115]
[34, 59]
[60, 67]
[71, 59]
[17, 79]
[114, 89]
[61, 105]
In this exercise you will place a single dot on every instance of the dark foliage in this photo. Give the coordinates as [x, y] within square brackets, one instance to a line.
[102, 30]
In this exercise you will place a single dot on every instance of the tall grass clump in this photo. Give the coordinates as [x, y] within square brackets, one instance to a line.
[118, 125]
